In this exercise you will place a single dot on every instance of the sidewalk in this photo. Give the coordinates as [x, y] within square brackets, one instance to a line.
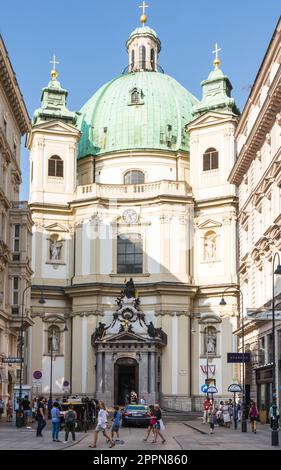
[13, 438]
[229, 439]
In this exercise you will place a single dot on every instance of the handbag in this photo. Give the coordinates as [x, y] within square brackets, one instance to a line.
[162, 426]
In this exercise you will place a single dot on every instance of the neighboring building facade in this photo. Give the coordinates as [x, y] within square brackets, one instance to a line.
[257, 174]
[135, 186]
[15, 222]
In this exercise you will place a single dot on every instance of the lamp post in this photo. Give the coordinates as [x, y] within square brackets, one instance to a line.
[223, 303]
[51, 365]
[274, 430]
[19, 420]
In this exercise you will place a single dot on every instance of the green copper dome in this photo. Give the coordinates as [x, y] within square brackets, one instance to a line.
[143, 110]
[143, 30]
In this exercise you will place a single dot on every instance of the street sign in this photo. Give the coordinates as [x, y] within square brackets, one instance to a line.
[65, 384]
[37, 383]
[37, 374]
[212, 389]
[235, 388]
[204, 388]
[238, 357]
[11, 360]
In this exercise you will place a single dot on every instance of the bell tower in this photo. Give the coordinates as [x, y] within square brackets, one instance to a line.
[52, 143]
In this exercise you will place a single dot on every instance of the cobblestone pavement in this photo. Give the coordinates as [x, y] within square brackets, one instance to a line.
[180, 435]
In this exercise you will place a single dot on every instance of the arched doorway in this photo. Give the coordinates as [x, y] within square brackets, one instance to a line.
[126, 379]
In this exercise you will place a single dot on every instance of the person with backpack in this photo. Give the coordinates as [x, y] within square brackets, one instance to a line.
[70, 422]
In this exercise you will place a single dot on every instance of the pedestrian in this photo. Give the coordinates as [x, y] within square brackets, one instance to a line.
[116, 423]
[142, 401]
[253, 415]
[70, 418]
[101, 426]
[2, 405]
[212, 418]
[226, 415]
[206, 406]
[159, 424]
[55, 416]
[152, 423]
[41, 421]
[9, 410]
[272, 417]
[27, 413]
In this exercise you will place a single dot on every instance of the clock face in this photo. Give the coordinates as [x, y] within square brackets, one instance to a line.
[130, 216]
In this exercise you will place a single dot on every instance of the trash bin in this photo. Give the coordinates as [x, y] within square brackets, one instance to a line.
[19, 419]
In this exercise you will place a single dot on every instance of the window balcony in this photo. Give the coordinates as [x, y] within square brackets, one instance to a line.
[133, 191]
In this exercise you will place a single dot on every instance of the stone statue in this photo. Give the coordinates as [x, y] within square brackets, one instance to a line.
[99, 332]
[151, 330]
[211, 343]
[129, 290]
[210, 248]
[55, 250]
[54, 341]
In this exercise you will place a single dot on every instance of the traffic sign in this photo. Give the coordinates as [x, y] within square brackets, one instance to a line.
[235, 388]
[212, 389]
[238, 357]
[204, 388]
[66, 384]
[37, 374]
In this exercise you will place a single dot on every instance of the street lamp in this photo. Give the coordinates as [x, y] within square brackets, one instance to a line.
[274, 430]
[223, 303]
[51, 365]
[19, 421]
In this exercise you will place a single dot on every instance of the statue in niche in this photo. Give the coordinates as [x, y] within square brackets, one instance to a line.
[55, 250]
[211, 342]
[210, 247]
[54, 341]
[129, 290]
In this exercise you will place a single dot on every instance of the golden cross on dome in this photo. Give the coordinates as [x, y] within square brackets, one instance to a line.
[54, 73]
[143, 17]
[217, 60]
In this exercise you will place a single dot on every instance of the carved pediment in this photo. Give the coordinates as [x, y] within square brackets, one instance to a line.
[210, 318]
[125, 336]
[57, 127]
[56, 228]
[210, 118]
[209, 224]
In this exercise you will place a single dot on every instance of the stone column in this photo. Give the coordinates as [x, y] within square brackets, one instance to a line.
[143, 376]
[109, 379]
[99, 377]
[153, 377]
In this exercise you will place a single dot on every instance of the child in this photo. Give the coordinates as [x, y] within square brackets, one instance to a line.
[116, 423]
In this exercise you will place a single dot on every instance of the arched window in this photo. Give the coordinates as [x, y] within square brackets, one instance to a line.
[134, 177]
[135, 96]
[55, 166]
[152, 59]
[129, 253]
[54, 339]
[210, 159]
[133, 59]
[210, 340]
[142, 57]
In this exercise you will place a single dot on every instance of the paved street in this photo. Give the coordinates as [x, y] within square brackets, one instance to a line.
[187, 433]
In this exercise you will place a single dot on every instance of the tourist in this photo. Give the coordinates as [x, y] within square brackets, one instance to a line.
[159, 424]
[55, 416]
[152, 423]
[101, 426]
[206, 406]
[142, 401]
[253, 415]
[70, 418]
[41, 421]
[27, 411]
[116, 423]
[2, 405]
[9, 410]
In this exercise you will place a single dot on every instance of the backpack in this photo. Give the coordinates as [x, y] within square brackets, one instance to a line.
[70, 417]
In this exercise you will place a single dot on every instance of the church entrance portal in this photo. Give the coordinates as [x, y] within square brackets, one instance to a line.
[126, 375]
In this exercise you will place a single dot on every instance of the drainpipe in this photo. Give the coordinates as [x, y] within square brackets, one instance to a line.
[71, 323]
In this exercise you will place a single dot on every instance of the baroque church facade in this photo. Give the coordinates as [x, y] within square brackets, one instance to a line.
[134, 236]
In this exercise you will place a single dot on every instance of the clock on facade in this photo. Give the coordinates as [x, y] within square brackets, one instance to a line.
[130, 216]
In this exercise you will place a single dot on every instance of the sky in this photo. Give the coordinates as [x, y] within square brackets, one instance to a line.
[88, 38]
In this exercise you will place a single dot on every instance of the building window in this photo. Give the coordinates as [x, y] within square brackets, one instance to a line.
[142, 57]
[134, 177]
[129, 254]
[133, 59]
[135, 97]
[16, 287]
[55, 166]
[210, 160]
[152, 59]
[17, 238]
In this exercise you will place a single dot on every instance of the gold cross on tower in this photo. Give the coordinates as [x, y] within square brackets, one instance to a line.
[54, 73]
[217, 60]
[143, 17]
